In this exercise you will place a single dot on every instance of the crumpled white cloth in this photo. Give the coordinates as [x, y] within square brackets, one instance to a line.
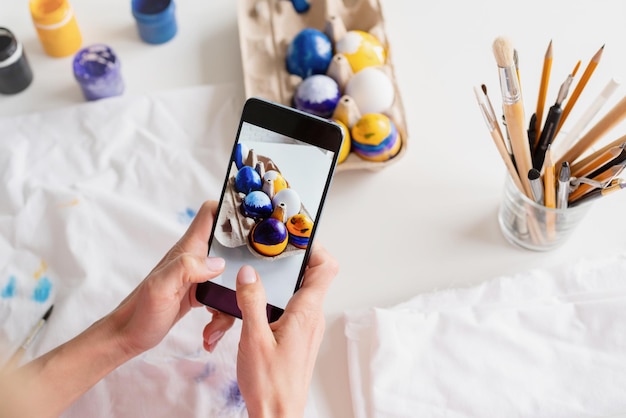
[91, 198]
[545, 343]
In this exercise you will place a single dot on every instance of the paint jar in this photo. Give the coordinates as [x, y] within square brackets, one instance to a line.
[531, 225]
[156, 20]
[15, 72]
[56, 27]
[97, 70]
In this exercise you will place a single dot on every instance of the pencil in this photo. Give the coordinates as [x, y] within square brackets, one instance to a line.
[543, 87]
[496, 135]
[32, 335]
[612, 118]
[597, 162]
[618, 160]
[586, 160]
[582, 122]
[513, 110]
[593, 63]
[549, 183]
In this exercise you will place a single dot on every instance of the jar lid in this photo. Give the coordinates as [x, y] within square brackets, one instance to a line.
[8, 44]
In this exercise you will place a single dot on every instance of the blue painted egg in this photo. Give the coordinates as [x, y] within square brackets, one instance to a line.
[318, 94]
[241, 154]
[308, 53]
[247, 180]
[256, 205]
[269, 237]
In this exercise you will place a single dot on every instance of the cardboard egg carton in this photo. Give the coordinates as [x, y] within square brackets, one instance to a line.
[233, 227]
[266, 27]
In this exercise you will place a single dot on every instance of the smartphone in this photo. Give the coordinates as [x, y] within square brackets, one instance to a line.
[280, 170]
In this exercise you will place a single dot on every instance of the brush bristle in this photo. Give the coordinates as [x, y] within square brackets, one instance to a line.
[503, 51]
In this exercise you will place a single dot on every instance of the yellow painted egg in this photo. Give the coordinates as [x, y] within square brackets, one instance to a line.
[361, 49]
[345, 145]
[375, 138]
[299, 227]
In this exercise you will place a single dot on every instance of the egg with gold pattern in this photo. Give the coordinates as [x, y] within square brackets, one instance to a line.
[375, 138]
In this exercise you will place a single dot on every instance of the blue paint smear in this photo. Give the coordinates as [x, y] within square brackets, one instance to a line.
[207, 371]
[10, 289]
[187, 215]
[42, 291]
[233, 395]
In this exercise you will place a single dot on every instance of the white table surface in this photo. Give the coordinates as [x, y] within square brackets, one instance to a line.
[428, 221]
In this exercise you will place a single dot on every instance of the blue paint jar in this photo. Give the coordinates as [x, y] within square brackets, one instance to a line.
[15, 72]
[156, 20]
[97, 70]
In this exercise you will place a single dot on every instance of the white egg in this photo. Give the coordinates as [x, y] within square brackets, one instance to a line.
[372, 90]
[291, 199]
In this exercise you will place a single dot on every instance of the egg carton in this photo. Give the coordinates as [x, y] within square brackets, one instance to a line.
[233, 227]
[266, 27]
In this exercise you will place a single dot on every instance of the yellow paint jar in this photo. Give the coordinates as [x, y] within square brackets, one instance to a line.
[56, 27]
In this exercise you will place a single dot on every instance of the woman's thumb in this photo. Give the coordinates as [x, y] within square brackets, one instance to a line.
[251, 299]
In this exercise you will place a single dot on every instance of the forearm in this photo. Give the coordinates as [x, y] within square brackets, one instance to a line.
[49, 384]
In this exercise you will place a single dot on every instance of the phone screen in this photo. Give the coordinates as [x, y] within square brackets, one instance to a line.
[294, 167]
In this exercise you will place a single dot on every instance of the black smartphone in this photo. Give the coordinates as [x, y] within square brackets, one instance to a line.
[280, 170]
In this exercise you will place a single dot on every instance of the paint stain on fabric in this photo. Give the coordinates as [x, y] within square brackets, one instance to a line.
[207, 371]
[186, 216]
[41, 270]
[10, 289]
[233, 395]
[42, 290]
[69, 204]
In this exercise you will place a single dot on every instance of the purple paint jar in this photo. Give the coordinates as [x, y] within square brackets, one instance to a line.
[15, 72]
[97, 70]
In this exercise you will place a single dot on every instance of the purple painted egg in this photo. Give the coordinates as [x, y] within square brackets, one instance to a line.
[269, 237]
[247, 180]
[318, 94]
[257, 205]
[308, 53]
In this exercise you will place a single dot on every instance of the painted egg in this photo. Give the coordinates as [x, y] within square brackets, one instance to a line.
[361, 49]
[318, 94]
[273, 182]
[309, 53]
[299, 227]
[241, 155]
[269, 237]
[345, 145]
[372, 90]
[375, 138]
[247, 180]
[256, 205]
[291, 199]
[301, 6]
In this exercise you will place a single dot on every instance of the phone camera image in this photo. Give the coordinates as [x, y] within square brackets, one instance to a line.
[280, 170]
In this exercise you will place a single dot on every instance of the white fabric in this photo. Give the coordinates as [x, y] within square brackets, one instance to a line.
[91, 197]
[548, 343]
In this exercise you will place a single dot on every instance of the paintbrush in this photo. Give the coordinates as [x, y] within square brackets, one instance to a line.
[513, 108]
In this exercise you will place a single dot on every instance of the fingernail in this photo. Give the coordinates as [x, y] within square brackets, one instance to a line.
[247, 275]
[215, 263]
[213, 340]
